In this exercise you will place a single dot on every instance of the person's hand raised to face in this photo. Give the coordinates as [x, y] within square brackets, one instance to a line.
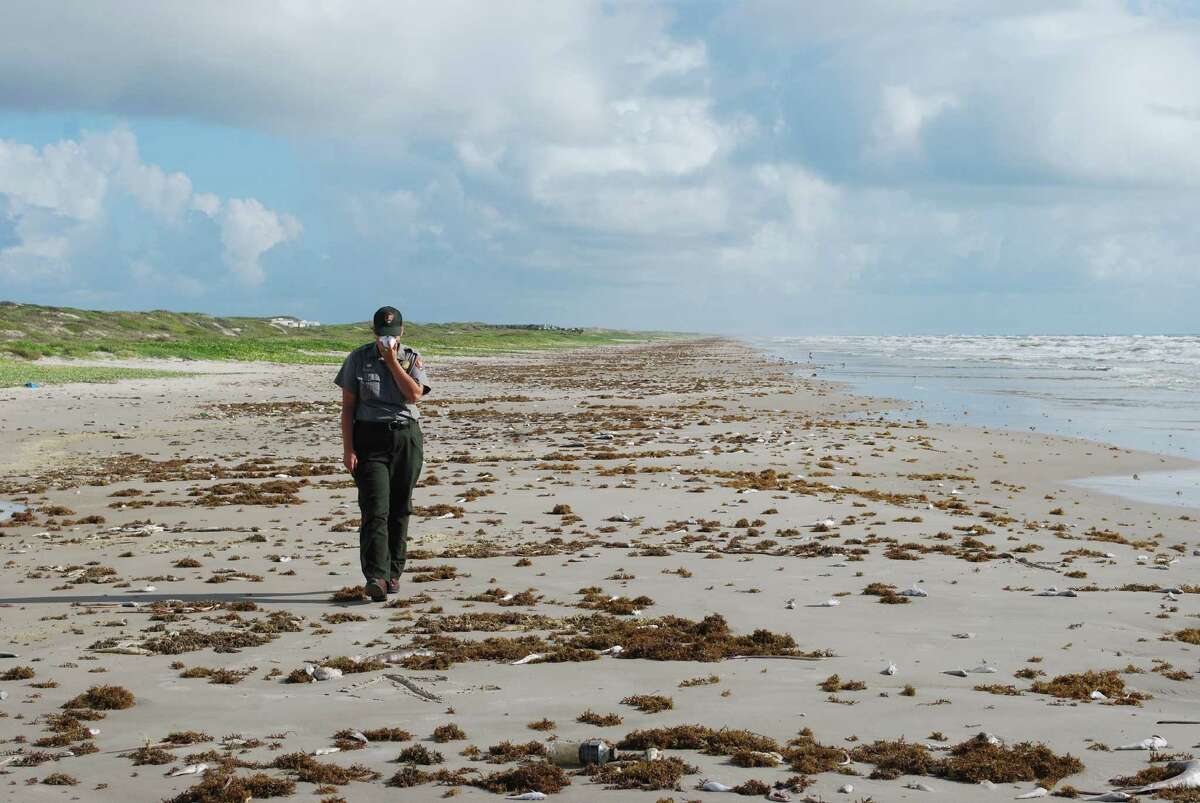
[388, 353]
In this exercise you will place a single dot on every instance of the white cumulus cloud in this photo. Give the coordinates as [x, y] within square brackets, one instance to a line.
[58, 197]
[248, 230]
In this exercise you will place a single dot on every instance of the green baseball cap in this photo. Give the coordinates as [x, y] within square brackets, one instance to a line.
[387, 321]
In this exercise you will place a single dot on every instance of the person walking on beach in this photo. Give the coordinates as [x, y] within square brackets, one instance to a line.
[381, 445]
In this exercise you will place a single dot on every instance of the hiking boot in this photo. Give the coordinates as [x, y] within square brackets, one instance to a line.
[376, 590]
[393, 586]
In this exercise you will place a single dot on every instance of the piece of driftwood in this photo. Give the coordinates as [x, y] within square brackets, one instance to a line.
[414, 688]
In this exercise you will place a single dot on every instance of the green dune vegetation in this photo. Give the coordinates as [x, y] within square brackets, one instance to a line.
[29, 332]
[19, 372]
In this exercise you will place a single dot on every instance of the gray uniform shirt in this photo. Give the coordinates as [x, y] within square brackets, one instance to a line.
[365, 374]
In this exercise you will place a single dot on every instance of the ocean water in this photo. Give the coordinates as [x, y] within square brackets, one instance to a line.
[1139, 392]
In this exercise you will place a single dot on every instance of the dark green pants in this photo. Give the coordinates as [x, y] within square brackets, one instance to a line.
[389, 463]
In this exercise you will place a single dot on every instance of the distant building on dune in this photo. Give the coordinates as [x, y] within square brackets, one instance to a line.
[538, 327]
[293, 323]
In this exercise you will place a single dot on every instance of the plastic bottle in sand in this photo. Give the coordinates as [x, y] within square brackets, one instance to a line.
[580, 754]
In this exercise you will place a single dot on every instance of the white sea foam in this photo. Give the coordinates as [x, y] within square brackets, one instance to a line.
[1148, 361]
[1134, 391]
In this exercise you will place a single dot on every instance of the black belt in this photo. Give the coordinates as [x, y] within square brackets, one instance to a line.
[389, 425]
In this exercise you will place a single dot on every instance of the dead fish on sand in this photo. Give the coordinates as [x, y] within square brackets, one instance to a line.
[706, 785]
[190, 769]
[1155, 742]
[1038, 791]
[1187, 776]
[1053, 591]
[982, 669]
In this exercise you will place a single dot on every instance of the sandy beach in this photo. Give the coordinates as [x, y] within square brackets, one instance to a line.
[742, 532]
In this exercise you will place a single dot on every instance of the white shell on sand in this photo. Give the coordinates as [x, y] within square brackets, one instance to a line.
[3, 696]
[958, 673]
[1155, 742]
[1098, 695]
[790, 604]
[915, 591]
[616, 649]
[829, 603]
[890, 669]
[325, 751]
[984, 669]
[846, 789]
[325, 673]
[918, 786]
[1053, 591]
[1038, 791]
[190, 769]
[144, 590]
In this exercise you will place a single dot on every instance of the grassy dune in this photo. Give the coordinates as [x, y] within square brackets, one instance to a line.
[17, 372]
[28, 331]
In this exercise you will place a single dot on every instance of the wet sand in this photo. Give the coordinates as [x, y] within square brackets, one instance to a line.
[569, 503]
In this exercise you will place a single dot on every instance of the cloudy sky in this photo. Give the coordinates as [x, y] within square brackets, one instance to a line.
[865, 166]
